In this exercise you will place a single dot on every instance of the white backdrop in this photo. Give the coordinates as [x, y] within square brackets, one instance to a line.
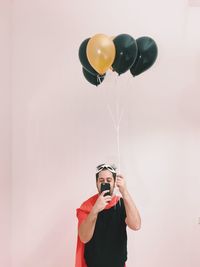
[61, 128]
[5, 133]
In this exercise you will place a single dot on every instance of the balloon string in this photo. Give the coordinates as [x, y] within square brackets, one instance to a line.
[98, 79]
[112, 117]
[116, 125]
[115, 121]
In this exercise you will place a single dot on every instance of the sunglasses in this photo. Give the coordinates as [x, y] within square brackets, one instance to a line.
[105, 166]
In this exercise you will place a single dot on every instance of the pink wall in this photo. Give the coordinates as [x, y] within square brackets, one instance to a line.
[5, 134]
[61, 129]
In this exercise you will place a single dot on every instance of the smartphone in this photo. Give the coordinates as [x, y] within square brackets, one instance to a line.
[104, 187]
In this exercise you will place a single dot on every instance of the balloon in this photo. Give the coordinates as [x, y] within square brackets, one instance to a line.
[112, 38]
[126, 52]
[93, 79]
[100, 52]
[83, 57]
[147, 54]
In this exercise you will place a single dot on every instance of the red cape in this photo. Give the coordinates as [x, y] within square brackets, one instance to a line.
[82, 214]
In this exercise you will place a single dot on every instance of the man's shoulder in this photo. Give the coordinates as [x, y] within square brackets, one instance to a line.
[90, 201]
[122, 202]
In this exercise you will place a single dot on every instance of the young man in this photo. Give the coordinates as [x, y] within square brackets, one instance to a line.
[102, 237]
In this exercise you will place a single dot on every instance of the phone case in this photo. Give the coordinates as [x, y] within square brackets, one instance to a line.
[104, 187]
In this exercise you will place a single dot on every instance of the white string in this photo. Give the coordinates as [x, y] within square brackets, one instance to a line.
[116, 121]
[118, 141]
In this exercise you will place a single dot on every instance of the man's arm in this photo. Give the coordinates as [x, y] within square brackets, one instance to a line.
[133, 219]
[86, 229]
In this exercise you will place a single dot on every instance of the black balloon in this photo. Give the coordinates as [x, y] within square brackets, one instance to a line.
[83, 57]
[147, 54]
[93, 79]
[126, 53]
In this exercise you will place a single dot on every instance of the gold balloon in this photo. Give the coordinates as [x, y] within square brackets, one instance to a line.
[100, 52]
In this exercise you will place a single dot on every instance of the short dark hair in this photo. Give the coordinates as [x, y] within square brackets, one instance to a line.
[105, 168]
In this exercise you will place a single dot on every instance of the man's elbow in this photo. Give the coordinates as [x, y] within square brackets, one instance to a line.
[137, 227]
[134, 226]
[83, 238]
[84, 241]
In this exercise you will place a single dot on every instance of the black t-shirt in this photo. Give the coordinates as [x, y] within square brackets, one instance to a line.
[108, 246]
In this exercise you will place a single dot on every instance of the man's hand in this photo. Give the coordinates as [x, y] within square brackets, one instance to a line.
[101, 202]
[121, 184]
[133, 219]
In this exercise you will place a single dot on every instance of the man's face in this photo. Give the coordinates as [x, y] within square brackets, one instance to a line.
[105, 176]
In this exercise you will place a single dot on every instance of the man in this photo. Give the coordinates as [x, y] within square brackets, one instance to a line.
[102, 237]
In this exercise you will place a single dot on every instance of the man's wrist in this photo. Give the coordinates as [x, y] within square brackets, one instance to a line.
[125, 193]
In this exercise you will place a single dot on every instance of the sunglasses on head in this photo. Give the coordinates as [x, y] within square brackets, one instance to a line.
[105, 166]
